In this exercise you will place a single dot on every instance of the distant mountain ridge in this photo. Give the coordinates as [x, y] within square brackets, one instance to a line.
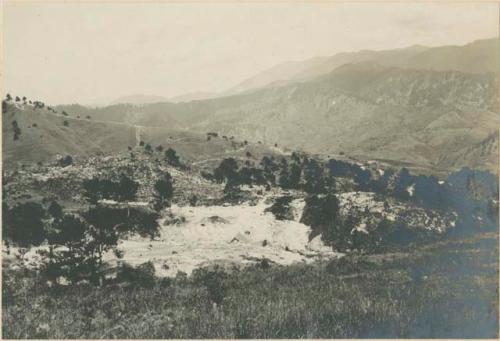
[479, 56]
[139, 99]
[429, 119]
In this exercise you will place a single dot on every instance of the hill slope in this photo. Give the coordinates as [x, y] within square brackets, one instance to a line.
[44, 136]
[365, 110]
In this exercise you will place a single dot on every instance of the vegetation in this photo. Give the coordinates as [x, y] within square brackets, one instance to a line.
[24, 224]
[17, 130]
[164, 190]
[172, 158]
[447, 290]
[281, 208]
[66, 161]
[97, 189]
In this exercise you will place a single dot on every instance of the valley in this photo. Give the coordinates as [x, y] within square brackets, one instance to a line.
[350, 196]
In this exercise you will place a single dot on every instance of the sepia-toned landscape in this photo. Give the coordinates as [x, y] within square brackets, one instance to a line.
[342, 194]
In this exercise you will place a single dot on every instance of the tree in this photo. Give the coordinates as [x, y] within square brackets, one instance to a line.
[227, 170]
[172, 158]
[66, 161]
[127, 189]
[24, 99]
[284, 175]
[103, 231]
[92, 190]
[18, 99]
[24, 224]
[281, 208]
[148, 148]
[66, 123]
[314, 178]
[67, 255]
[403, 181]
[65, 113]
[164, 191]
[294, 177]
[269, 167]
[55, 210]
[8, 97]
[159, 148]
[17, 130]
[320, 212]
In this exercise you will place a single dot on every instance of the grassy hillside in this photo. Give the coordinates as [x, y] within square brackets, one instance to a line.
[44, 135]
[447, 290]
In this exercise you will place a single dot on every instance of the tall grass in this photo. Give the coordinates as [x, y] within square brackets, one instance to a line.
[449, 290]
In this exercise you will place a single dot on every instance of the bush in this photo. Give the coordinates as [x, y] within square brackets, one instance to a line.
[142, 275]
[281, 208]
[227, 170]
[320, 213]
[164, 191]
[96, 189]
[172, 158]
[24, 224]
[66, 161]
[55, 210]
[17, 130]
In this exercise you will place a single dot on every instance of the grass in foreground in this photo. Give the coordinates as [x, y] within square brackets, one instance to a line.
[446, 290]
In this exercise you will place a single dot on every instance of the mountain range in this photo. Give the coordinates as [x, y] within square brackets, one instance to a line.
[433, 109]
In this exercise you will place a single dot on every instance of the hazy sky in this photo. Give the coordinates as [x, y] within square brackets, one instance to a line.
[93, 53]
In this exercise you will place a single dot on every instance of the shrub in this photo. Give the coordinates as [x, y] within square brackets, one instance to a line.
[227, 170]
[17, 130]
[281, 208]
[172, 158]
[96, 189]
[164, 191]
[24, 224]
[55, 210]
[142, 275]
[126, 189]
[66, 161]
[320, 213]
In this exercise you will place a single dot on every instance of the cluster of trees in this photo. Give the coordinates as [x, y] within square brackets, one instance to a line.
[77, 241]
[123, 190]
[307, 174]
[300, 173]
[321, 213]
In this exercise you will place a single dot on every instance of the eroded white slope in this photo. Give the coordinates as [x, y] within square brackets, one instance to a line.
[225, 234]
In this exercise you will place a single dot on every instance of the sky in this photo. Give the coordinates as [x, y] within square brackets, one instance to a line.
[93, 53]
